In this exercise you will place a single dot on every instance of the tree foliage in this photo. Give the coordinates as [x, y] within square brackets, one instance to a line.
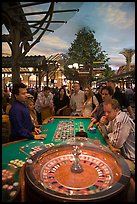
[108, 72]
[84, 50]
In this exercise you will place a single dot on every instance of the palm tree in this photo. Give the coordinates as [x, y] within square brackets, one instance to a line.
[128, 53]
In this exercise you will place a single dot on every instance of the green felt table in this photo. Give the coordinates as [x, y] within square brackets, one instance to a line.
[21, 150]
[11, 151]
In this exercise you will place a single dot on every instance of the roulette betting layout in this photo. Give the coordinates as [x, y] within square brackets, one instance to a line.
[76, 171]
[67, 129]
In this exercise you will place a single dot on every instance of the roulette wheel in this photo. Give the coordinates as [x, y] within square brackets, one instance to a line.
[76, 171]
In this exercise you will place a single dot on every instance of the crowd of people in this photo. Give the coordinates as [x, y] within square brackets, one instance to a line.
[104, 107]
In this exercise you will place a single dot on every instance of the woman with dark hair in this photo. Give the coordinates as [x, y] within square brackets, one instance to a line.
[61, 101]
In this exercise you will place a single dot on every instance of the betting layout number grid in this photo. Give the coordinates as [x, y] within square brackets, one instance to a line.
[67, 130]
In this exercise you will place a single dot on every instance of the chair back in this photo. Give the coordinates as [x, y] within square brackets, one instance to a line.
[67, 111]
[45, 113]
[8, 107]
[5, 129]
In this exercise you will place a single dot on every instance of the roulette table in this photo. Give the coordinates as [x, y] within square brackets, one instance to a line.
[63, 128]
[56, 153]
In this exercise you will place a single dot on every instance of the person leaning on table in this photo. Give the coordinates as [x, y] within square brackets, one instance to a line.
[106, 93]
[120, 131]
[20, 120]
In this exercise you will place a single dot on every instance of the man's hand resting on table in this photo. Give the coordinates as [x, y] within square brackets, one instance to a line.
[39, 137]
[37, 130]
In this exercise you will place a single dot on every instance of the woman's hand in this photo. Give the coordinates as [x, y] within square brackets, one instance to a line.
[45, 122]
[90, 125]
[58, 112]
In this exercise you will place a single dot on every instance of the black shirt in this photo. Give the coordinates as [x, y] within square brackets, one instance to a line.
[121, 98]
[60, 103]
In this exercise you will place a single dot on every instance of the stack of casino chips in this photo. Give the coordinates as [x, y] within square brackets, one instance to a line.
[17, 163]
[9, 186]
[7, 176]
[34, 150]
[49, 145]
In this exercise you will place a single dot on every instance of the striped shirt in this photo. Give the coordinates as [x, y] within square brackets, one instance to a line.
[121, 134]
[43, 100]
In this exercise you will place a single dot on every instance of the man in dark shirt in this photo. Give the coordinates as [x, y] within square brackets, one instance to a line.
[20, 120]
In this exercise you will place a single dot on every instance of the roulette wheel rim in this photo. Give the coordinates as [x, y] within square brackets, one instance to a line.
[69, 193]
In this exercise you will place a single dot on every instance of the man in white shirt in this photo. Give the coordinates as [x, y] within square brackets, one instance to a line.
[120, 130]
[44, 99]
[77, 100]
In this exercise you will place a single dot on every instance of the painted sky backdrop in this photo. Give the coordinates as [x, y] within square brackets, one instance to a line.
[113, 23]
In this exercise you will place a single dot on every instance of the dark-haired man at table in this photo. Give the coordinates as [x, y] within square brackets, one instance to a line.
[20, 120]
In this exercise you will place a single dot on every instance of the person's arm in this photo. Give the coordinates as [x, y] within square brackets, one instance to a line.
[51, 105]
[45, 101]
[92, 123]
[94, 110]
[39, 136]
[63, 108]
[40, 99]
[104, 131]
[113, 149]
[130, 110]
[126, 104]
[38, 126]
[96, 103]
[95, 118]
[119, 134]
[66, 104]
